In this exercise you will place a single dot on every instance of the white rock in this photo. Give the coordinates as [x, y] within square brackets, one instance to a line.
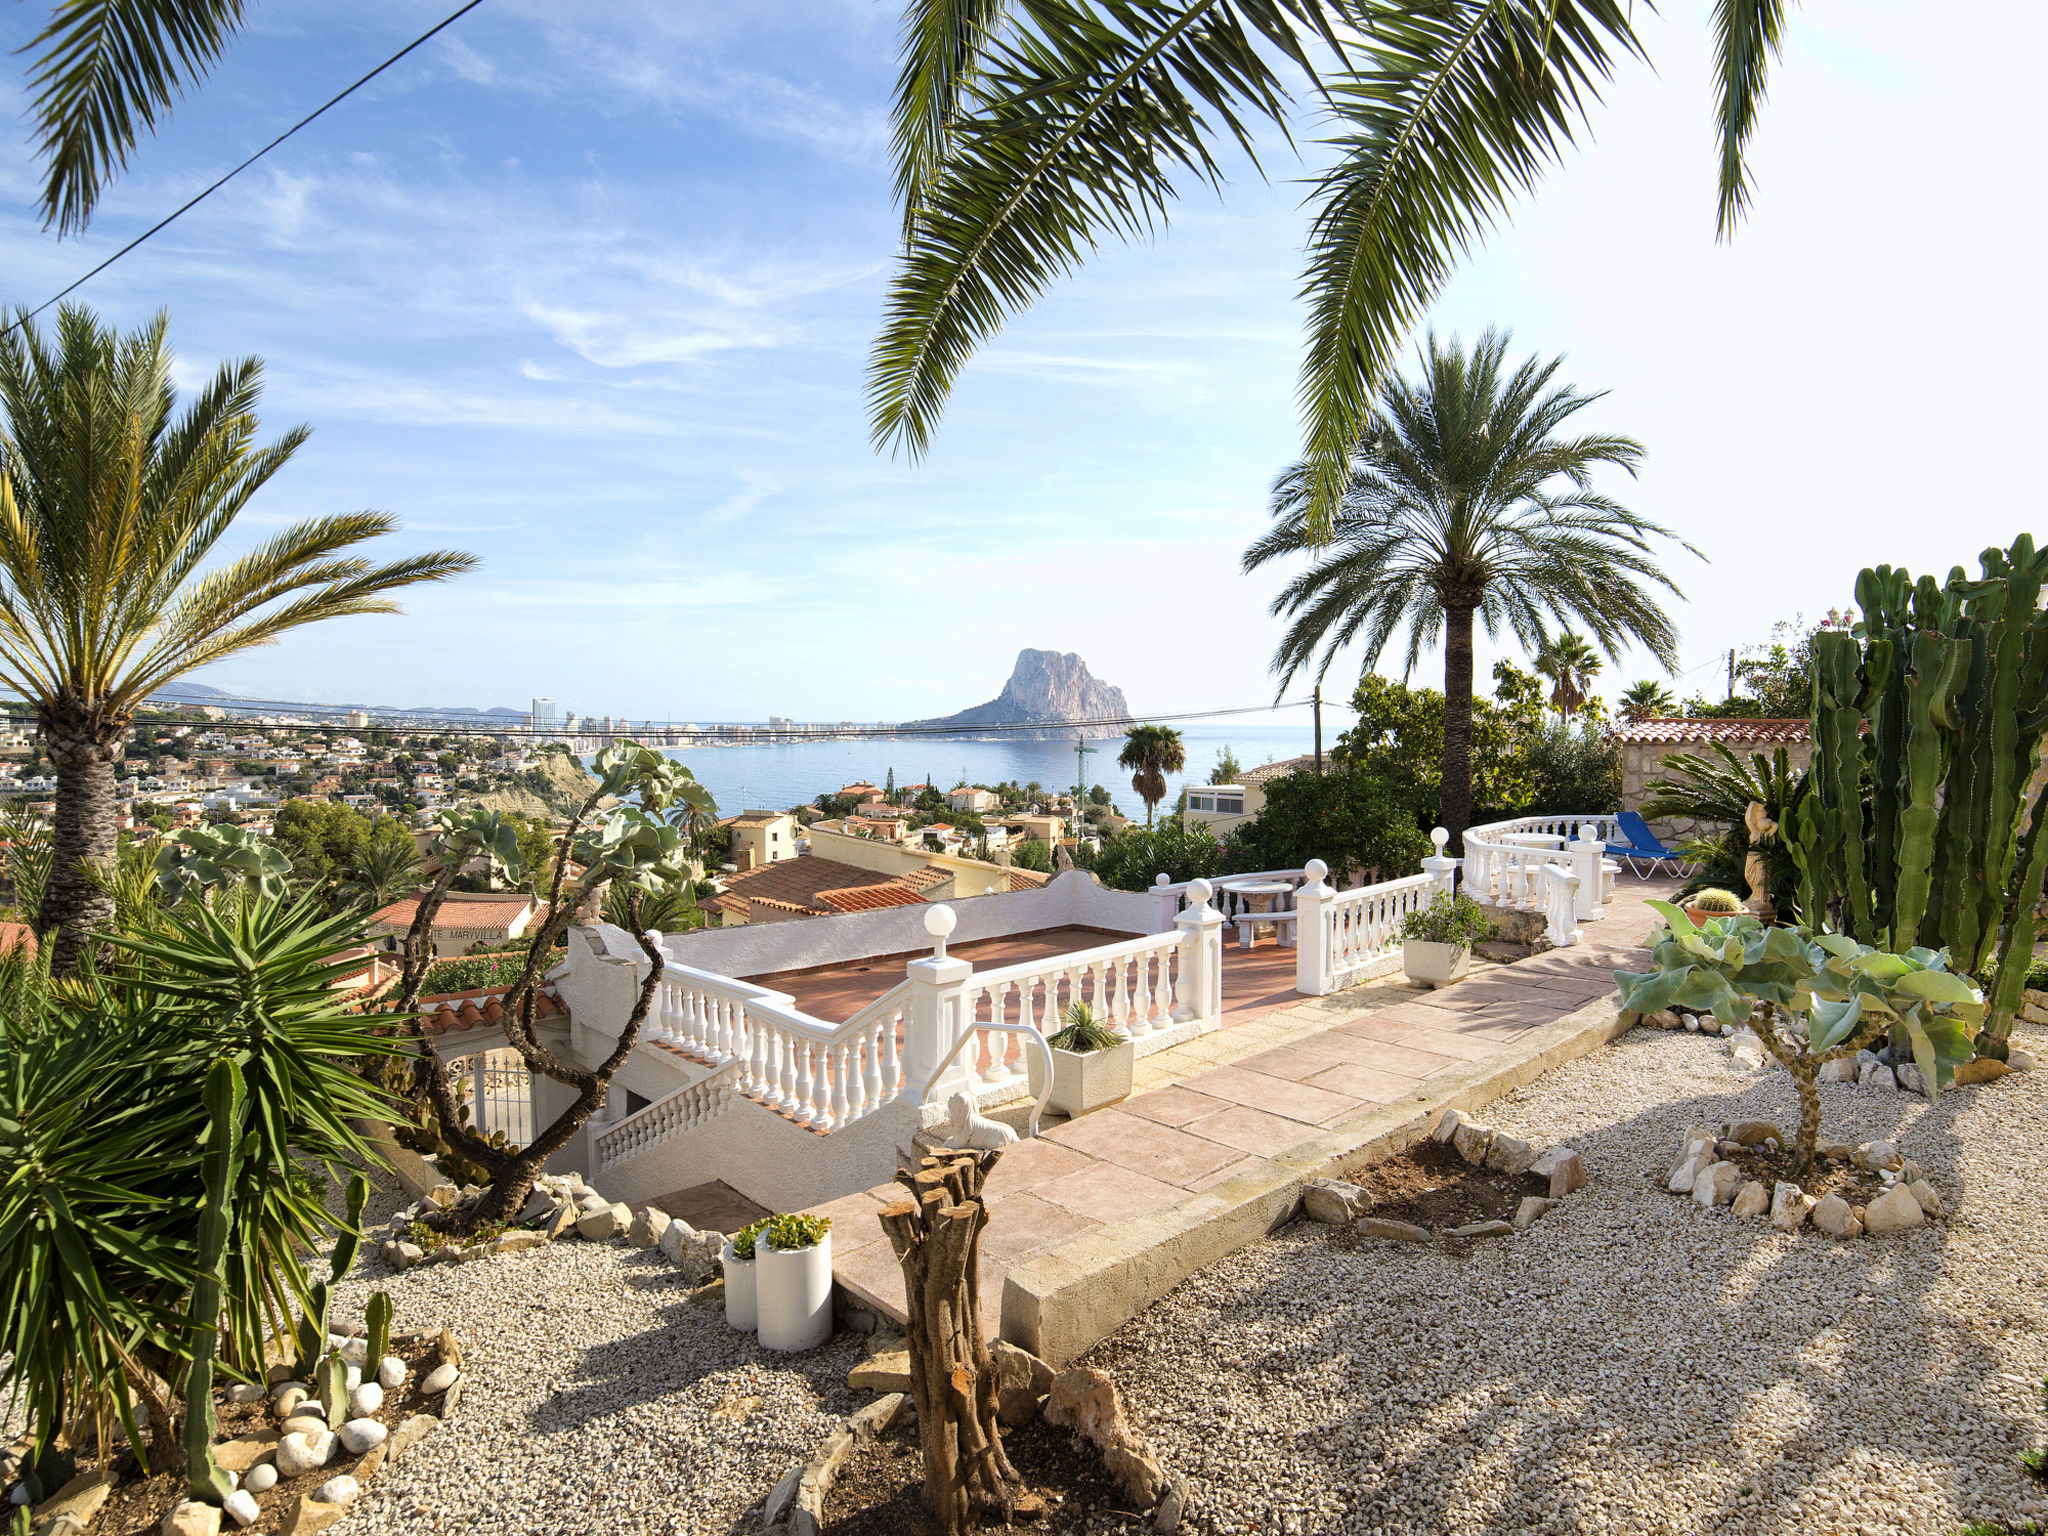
[241, 1506]
[1875, 1156]
[391, 1373]
[1510, 1154]
[1893, 1211]
[355, 1351]
[358, 1435]
[277, 1392]
[1687, 1173]
[1875, 1075]
[298, 1454]
[1563, 1168]
[352, 1376]
[406, 1255]
[592, 1201]
[598, 1225]
[439, 1380]
[1332, 1201]
[1928, 1198]
[2021, 1061]
[364, 1402]
[1715, 1184]
[1840, 1070]
[191, 1518]
[1447, 1127]
[1709, 1024]
[1790, 1206]
[1833, 1216]
[1909, 1078]
[1692, 1022]
[343, 1490]
[260, 1479]
[308, 1422]
[1472, 1141]
[1750, 1200]
[1750, 1057]
[245, 1392]
[647, 1227]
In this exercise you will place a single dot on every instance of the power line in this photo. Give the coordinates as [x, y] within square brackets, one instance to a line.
[194, 202]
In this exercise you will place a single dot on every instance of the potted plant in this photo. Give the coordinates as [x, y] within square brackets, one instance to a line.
[1091, 1064]
[741, 1309]
[794, 1282]
[1436, 942]
[1712, 902]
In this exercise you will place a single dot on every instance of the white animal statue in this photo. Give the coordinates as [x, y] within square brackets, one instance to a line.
[972, 1131]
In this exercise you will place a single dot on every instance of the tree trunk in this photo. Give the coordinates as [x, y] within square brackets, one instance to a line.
[83, 747]
[1457, 785]
[937, 1238]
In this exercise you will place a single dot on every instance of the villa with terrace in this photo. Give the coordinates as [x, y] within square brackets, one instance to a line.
[785, 1064]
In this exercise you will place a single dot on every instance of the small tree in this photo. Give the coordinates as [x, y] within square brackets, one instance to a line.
[635, 845]
[1151, 752]
[1812, 998]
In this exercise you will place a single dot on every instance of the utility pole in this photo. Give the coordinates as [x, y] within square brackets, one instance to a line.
[1081, 754]
[1319, 729]
[1731, 671]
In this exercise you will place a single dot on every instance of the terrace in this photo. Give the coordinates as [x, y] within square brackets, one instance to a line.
[1270, 1045]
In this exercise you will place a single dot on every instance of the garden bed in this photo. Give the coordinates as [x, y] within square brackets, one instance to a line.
[879, 1492]
[1431, 1186]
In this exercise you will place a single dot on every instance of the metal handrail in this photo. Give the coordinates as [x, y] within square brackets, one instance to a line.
[1031, 1034]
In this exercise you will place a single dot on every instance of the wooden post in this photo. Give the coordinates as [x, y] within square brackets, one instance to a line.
[937, 1237]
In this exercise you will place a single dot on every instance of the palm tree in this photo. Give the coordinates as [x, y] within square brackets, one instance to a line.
[1646, 700]
[109, 504]
[1151, 752]
[381, 871]
[1465, 501]
[1025, 136]
[1571, 665]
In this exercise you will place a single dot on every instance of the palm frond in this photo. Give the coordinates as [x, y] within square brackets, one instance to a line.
[103, 73]
[1748, 35]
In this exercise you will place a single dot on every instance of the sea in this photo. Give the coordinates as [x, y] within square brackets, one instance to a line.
[776, 776]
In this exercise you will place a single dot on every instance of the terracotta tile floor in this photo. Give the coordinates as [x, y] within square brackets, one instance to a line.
[1212, 1107]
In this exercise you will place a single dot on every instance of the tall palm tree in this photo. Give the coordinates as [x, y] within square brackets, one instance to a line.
[1571, 665]
[110, 500]
[1151, 752]
[1027, 135]
[1646, 700]
[1466, 501]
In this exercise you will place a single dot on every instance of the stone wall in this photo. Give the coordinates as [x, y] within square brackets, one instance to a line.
[1642, 763]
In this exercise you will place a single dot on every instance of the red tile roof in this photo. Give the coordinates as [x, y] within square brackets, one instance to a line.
[792, 885]
[484, 1007]
[1026, 879]
[925, 877]
[1701, 732]
[461, 916]
[865, 898]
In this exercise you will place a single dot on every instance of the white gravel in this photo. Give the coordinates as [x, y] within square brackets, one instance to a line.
[597, 1397]
[1633, 1363]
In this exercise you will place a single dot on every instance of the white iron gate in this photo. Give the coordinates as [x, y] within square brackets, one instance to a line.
[499, 1090]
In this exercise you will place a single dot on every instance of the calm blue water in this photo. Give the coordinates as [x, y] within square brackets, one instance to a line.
[780, 776]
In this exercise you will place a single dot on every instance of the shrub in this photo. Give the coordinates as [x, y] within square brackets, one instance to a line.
[1448, 919]
[1083, 1033]
[1349, 817]
[1136, 856]
[472, 971]
[743, 1240]
[2037, 975]
[788, 1233]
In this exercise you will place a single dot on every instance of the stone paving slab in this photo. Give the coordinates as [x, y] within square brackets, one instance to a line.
[1216, 1109]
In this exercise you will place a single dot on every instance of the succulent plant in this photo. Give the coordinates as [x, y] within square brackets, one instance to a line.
[1083, 1032]
[1714, 899]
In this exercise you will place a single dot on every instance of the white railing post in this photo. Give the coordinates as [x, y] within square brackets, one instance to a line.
[1165, 905]
[938, 1014]
[1443, 870]
[1202, 964]
[1311, 932]
[1586, 854]
[1560, 905]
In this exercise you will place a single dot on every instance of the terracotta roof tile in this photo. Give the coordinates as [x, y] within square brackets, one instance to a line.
[925, 877]
[486, 1006]
[1701, 732]
[1026, 879]
[460, 916]
[865, 898]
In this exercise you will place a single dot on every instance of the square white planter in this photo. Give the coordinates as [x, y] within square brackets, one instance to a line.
[1085, 1080]
[1434, 965]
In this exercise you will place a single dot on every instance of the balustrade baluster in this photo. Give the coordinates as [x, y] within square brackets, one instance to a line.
[847, 1095]
[892, 1067]
[801, 1048]
[871, 1065]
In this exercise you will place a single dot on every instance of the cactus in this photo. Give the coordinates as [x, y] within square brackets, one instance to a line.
[347, 1240]
[378, 1315]
[1933, 711]
[223, 1095]
[330, 1388]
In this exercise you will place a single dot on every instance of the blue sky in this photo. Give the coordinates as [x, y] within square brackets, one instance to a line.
[588, 290]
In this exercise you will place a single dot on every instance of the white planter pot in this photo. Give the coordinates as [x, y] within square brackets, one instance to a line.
[740, 1311]
[794, 1289]
[1434, 965]
[1085, 1080]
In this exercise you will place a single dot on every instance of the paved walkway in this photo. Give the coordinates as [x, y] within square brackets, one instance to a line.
[1206, 1110]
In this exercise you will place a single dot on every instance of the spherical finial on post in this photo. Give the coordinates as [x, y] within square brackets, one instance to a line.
[940, 920]
[1441, 838]
[1199, 892]
[1162, 878]
[1317, 872]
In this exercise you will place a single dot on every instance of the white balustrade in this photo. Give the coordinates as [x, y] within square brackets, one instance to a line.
[1501, 871]
[681, 1112]
[1560, 904]
[1344, 933]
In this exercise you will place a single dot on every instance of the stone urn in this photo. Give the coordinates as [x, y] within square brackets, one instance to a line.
[1434, 965]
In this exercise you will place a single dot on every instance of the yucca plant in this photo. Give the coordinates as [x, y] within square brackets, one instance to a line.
[1082, 1032]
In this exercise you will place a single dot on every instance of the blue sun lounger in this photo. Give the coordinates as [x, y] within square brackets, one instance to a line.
[1643, 853]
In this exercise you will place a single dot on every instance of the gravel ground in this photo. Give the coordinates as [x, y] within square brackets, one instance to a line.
[598, 1398]
[1632, 1363]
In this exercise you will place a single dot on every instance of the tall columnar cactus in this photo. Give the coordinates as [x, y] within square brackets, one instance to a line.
[377, 1314]
[224, 1101]
[349, 1239]
[1927, 728]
